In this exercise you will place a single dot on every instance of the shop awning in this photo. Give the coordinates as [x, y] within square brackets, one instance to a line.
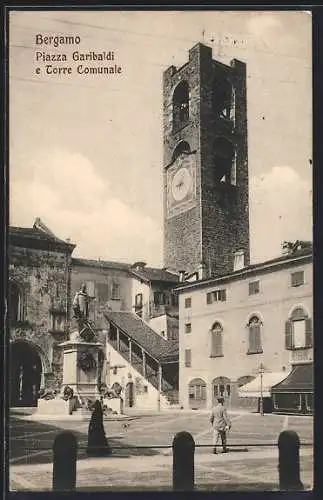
[299, 380]
[253, 389]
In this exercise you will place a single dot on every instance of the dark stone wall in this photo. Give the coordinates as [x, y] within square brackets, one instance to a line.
[44, 280]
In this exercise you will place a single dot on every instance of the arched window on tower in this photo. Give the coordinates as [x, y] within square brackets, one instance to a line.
[222, 98]
[182, 147]
[15, 302]
[180, 105]
[254, 335]
[224, 161]
[216, 340]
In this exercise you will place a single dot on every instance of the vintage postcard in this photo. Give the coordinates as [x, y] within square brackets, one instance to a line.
[160, 292]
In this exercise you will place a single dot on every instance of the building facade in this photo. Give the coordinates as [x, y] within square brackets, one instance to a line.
[229, 327]
[39, 292]
[44, 278]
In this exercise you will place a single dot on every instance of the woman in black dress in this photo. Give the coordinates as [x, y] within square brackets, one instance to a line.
[97, 444]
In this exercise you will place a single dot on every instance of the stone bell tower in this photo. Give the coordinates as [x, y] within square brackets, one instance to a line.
[206, 208]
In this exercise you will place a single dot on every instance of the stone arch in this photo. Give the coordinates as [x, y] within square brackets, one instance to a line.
[197, 393]
[181, 148]
[295, 311]
[253, 314]
[221, 386]
[28, 365]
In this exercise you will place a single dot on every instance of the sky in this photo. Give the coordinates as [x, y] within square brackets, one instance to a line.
[86, 153]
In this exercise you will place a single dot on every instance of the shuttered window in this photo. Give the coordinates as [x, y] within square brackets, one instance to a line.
[188, 357]
[103, 292]
[289, 335]
[254, 328]
[216, 296]
[216, 340]
[115, 291]
[308, 333]
[254, 287]
[297, 278]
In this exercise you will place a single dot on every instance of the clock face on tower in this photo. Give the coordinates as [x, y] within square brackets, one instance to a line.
[181, 185]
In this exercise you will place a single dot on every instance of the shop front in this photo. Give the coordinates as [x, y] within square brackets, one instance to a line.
[295, 393]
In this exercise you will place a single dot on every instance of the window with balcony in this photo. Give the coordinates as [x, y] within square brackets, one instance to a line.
[216, 296]
[298, 330]
[216, 340]
[254, 335]
[254, 287]
[297, 278]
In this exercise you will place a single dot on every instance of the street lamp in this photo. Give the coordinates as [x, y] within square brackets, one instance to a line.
[261, 371]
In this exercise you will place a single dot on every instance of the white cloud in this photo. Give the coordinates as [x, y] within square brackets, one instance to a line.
[74, 202]
[280, 209]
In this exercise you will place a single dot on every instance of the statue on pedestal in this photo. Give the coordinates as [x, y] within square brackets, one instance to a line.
[81, 313]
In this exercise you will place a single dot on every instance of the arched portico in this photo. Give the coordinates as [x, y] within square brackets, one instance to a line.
[27, 370]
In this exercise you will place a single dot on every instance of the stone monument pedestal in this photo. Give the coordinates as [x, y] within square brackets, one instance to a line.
[83, 380]
[80, 373]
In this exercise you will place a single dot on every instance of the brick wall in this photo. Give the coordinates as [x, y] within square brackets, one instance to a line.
[218, 225]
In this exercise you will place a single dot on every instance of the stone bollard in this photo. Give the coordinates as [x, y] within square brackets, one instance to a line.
[288, 465]
[183, 461]
[64, 462]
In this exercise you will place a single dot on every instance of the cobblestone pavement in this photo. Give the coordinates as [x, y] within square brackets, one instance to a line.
[244, 467]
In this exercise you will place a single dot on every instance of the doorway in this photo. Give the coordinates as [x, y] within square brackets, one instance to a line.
[129, 395]
[25, 374]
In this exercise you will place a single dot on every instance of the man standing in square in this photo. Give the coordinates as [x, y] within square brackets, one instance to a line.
[221, 424]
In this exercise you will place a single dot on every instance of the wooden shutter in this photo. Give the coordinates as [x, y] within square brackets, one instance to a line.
[308, 333]
[187, 357]
[289, 335]
[257, 337]
[251, 338]
[209, 298]
[218, 343]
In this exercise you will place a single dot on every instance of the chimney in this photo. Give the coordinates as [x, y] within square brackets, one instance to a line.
[181, 276]
[287, 248]
[202, 271]
[239, 260]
